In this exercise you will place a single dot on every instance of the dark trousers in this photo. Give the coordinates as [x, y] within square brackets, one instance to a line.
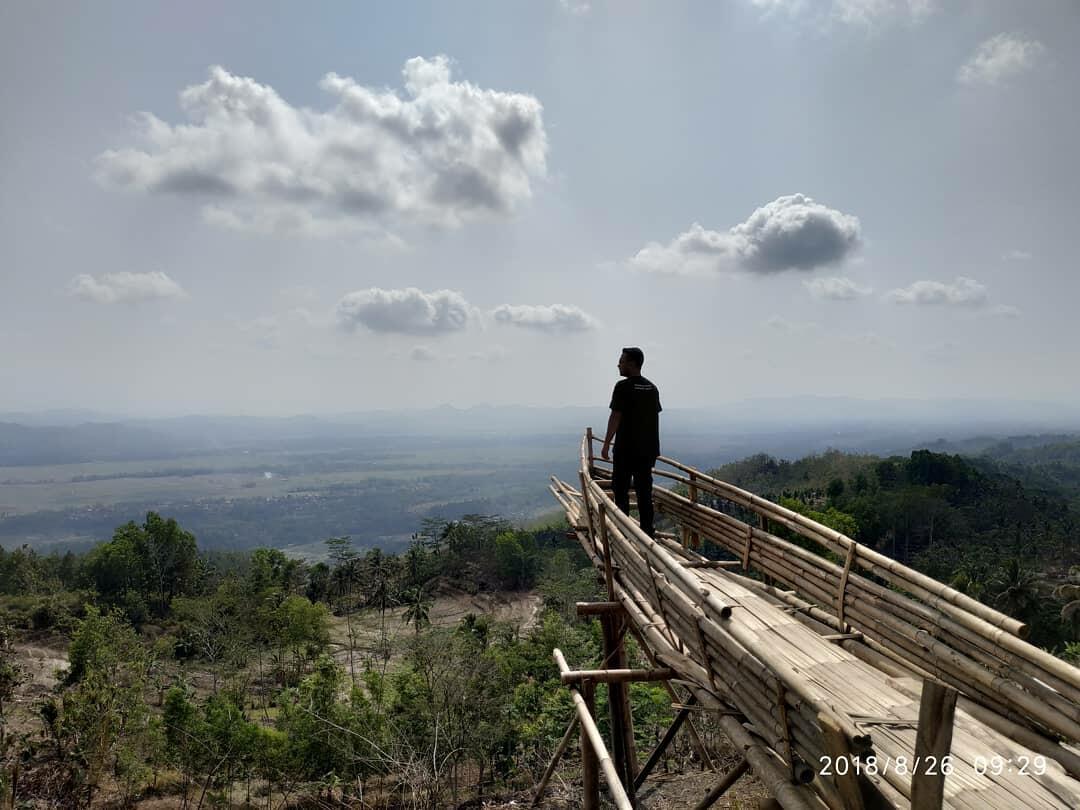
[639, 469]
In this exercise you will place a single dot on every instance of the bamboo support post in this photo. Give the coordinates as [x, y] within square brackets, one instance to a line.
[722, 787]
[837, 749]
[559, 751]
[622, 728]
[932, 744]
[662, 746]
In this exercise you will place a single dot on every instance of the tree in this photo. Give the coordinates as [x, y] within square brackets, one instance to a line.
[103, 718]
[214, 627]
[1069, 592]
[169, 558]
[344, 576]
[378, 570]
[302, 632]
[1016, 588]
[417, 608]
[147, 565]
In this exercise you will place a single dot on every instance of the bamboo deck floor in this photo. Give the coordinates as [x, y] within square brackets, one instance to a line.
[785, 674]
[888, 708]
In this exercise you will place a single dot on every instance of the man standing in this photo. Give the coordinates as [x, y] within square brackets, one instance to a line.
[634, 424]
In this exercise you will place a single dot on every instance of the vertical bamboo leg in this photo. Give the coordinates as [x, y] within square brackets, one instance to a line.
[933, 740]
[837, 748]
[622, 724]
[569, 735]
[658, 752]
[730, 778]
[590, 773]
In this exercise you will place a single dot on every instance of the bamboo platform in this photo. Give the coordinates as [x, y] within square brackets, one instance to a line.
[844, 655]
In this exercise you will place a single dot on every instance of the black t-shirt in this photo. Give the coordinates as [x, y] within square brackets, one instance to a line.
[639, 428]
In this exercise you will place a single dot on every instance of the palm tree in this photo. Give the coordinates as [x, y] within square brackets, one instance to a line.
[1069, 592]
[344, 576]
[1017, 589]
[379, 593]
[418, 606]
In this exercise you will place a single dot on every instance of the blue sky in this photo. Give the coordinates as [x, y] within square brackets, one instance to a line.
[269, 208]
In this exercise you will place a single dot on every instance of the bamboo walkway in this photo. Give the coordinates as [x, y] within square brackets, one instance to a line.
[848, 681]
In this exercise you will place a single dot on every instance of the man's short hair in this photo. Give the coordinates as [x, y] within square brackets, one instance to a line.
[634, 355]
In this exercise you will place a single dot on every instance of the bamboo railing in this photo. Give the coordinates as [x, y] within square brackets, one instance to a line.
[829, 662]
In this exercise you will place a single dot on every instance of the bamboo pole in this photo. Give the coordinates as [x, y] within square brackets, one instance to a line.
[662, 746]
[559, 751]
[616, 675]
[722, 787]
[596, 608]
[585, 704]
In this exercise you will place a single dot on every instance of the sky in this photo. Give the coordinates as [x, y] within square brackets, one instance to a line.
[273, 209]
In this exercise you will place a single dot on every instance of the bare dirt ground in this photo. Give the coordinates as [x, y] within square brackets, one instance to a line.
[449, 607]
[42, 659]
[676, 791]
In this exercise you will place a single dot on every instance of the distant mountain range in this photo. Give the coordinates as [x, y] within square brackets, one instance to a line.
[782, 426]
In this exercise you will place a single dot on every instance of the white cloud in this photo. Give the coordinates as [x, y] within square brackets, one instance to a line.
[407, 311]
[792, 232]
[1000, 58]
[443, 153]
[867, 14]
[554, 319]
[1016, 256]
[124, 287]
[962, 292]
[836, 288]
[422, 354]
